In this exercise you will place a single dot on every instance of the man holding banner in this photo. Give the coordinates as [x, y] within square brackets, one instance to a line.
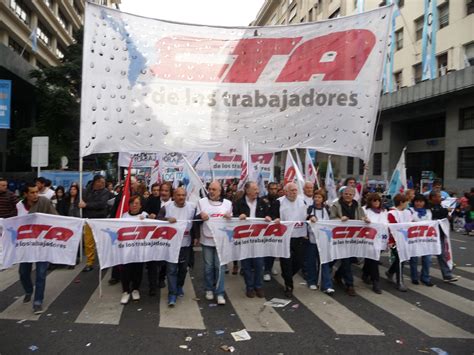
[31, 204]
[293, 208]
[347, 208]
[213, 206]
[251, 206]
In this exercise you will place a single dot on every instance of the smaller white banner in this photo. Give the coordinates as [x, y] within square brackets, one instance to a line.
[448, 252]
[40, 237]
[122, 241]
[340, 240]
[416, 238]
[251, 238]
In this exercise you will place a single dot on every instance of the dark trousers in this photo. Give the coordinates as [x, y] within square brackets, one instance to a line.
[396, 267]
[40, 280]
[371, 269]
[290, 266]
[345, 272]
[154, 268]
[131, 274]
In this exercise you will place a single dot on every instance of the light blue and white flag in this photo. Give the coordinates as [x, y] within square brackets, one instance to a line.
[428, 40]
[388, 65]
[330, 184]
[34, 39]
[398, 182]
[192, 182]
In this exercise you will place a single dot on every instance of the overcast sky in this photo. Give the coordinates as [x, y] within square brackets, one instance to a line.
[206, 12]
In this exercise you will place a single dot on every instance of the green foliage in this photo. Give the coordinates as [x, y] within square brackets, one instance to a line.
[58, 106]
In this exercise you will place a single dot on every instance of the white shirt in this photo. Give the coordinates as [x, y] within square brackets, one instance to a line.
[185, 213]
[140, 216]
[294, 211]
[213, 209]
[308, 200]
[21, 209]
[404, 216]
[252, 205]
[48, 193]
[165, 203]
[375, 217]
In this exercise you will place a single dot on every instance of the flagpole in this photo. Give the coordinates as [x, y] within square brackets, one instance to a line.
[81, 162]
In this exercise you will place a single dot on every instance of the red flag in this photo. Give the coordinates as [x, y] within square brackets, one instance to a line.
[123, 205]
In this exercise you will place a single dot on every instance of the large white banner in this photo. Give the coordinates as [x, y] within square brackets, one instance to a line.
[339, 240]
[252, 238]
[122, 241]
[40, 237]
[151, 85]
[448, 251]
[416, 238]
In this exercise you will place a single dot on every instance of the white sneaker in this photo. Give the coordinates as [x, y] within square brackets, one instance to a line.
[267, 277]
[135, 295]
[313, 287]
[125, 298]
[209, 295]
[221, 300]
[274, 272]
[329, 291]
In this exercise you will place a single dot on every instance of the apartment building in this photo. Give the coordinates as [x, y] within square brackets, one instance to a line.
[434, 118]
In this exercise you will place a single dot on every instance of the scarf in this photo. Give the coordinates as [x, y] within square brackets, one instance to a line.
[421, 212]
[348, 211]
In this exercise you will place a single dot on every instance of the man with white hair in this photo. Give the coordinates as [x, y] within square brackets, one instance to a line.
[293, 208]
[208, 207]
[308, 190]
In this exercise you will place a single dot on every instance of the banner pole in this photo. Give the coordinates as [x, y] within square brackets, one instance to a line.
[80, 209]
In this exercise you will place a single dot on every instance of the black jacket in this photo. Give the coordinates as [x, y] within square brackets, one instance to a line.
[153, 205]
[96, 202]
[240, 207]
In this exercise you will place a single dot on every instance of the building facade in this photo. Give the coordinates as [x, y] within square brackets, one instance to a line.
[434, 118]
[34, 34]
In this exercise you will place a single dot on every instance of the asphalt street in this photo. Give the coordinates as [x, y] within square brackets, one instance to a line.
[77, 320]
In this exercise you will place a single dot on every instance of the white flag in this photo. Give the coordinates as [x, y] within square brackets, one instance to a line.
[293, 173]
[123, 241]
[398, 182]
[310, 171]
[329, 183]
[251, 238]
[40, 237]
[244, 165]
[192, 182]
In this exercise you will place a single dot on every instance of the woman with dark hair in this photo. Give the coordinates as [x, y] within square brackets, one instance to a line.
[58, 196]
[377, 214]
[69, 205]
[421, 213]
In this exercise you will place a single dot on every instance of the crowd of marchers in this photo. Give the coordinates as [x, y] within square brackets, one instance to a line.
[101, 199]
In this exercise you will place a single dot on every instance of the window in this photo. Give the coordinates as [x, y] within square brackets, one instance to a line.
[336, 14]
[49, 3]
[379, 132]
[399, 39]
[21, 11]
[401, 3]
[310, 15]
[442, 60]
[466, 118]
[417, 73]
[377, 164]
[470, 7]
[397, 78]
[273, 20]
[18, 49]
[292, 15]
[419, 28]
[361, 167]
[427, 127]
[469, 54]
[350, 165]
[443, 15]
[466, 162]
[62, 20]
[43, 34]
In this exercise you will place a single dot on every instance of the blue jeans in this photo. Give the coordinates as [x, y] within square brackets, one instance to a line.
[443, 265]
[176, 272]
[213, 272]
[425, 268]
[253, 273]
[268, 261]
[311, 262]
[40, 280]
[326, 281]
